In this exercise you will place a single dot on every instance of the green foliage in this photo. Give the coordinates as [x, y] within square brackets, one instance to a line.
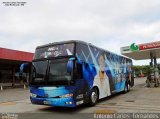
[145, 69]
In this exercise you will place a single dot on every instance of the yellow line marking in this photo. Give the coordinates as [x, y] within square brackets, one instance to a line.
[105, 111]
[7, 103]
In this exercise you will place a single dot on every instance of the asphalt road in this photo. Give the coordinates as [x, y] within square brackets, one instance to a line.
[139, 100]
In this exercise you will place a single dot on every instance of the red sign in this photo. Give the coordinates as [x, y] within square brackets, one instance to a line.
[149, 45]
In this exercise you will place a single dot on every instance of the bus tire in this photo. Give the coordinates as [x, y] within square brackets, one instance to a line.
[126, 88]
[93, 97]
[129, 86]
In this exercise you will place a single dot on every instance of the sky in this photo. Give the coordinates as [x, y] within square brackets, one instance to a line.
[109, 24]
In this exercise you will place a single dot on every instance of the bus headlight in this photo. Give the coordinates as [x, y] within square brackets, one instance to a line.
[66, 95]
[33, 95]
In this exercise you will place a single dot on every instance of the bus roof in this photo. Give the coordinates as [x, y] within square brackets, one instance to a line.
[78, 41]
[61, 42]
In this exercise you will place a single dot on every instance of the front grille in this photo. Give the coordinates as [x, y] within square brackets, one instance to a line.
[47, 97]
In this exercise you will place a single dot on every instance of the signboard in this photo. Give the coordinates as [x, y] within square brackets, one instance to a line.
[132, 48]
[142, 51]
[149, 45]
[55, 51]
[141, 47]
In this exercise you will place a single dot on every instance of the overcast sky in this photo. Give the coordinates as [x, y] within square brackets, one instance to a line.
[109, 24]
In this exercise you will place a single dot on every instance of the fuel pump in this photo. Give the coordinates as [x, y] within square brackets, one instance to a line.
[153, 74]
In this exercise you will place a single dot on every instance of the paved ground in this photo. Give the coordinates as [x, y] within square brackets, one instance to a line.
[13, 94]
[139, 100]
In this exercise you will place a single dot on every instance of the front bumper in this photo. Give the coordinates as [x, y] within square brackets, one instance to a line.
[57, 102]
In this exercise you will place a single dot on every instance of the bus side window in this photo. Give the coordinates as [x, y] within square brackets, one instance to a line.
[79, 71]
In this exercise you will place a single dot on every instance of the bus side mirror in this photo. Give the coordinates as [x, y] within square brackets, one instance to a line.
[23, 68]
[70, 66]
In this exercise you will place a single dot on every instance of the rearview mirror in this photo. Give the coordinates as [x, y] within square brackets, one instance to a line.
[24, 67]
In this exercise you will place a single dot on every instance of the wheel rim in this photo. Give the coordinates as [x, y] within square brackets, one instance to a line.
[126, 88]
[94, 97]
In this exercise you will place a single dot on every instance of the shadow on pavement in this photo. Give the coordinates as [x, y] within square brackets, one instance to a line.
[64, 109]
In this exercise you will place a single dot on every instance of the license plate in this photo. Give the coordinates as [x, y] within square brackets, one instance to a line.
[46, 102]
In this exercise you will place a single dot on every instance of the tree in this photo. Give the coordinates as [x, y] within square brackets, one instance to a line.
[144, 69]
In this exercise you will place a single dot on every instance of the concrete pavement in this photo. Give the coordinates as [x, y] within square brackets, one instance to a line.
[139, 100]
[13, 94]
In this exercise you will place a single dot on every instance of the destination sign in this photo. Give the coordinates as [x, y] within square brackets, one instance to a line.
[55, 51]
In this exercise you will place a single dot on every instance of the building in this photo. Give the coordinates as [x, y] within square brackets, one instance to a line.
[142, 52]
[10, 61]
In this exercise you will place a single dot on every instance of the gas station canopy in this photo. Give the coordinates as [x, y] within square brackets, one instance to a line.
[142, 51]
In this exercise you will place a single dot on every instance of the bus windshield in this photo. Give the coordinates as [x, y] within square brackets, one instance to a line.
[50, 72]
[39, 69]
[58, 71]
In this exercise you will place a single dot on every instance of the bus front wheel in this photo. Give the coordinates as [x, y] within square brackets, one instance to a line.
[93, 97]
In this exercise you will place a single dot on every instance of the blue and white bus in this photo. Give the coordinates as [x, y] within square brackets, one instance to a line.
[72, 73]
